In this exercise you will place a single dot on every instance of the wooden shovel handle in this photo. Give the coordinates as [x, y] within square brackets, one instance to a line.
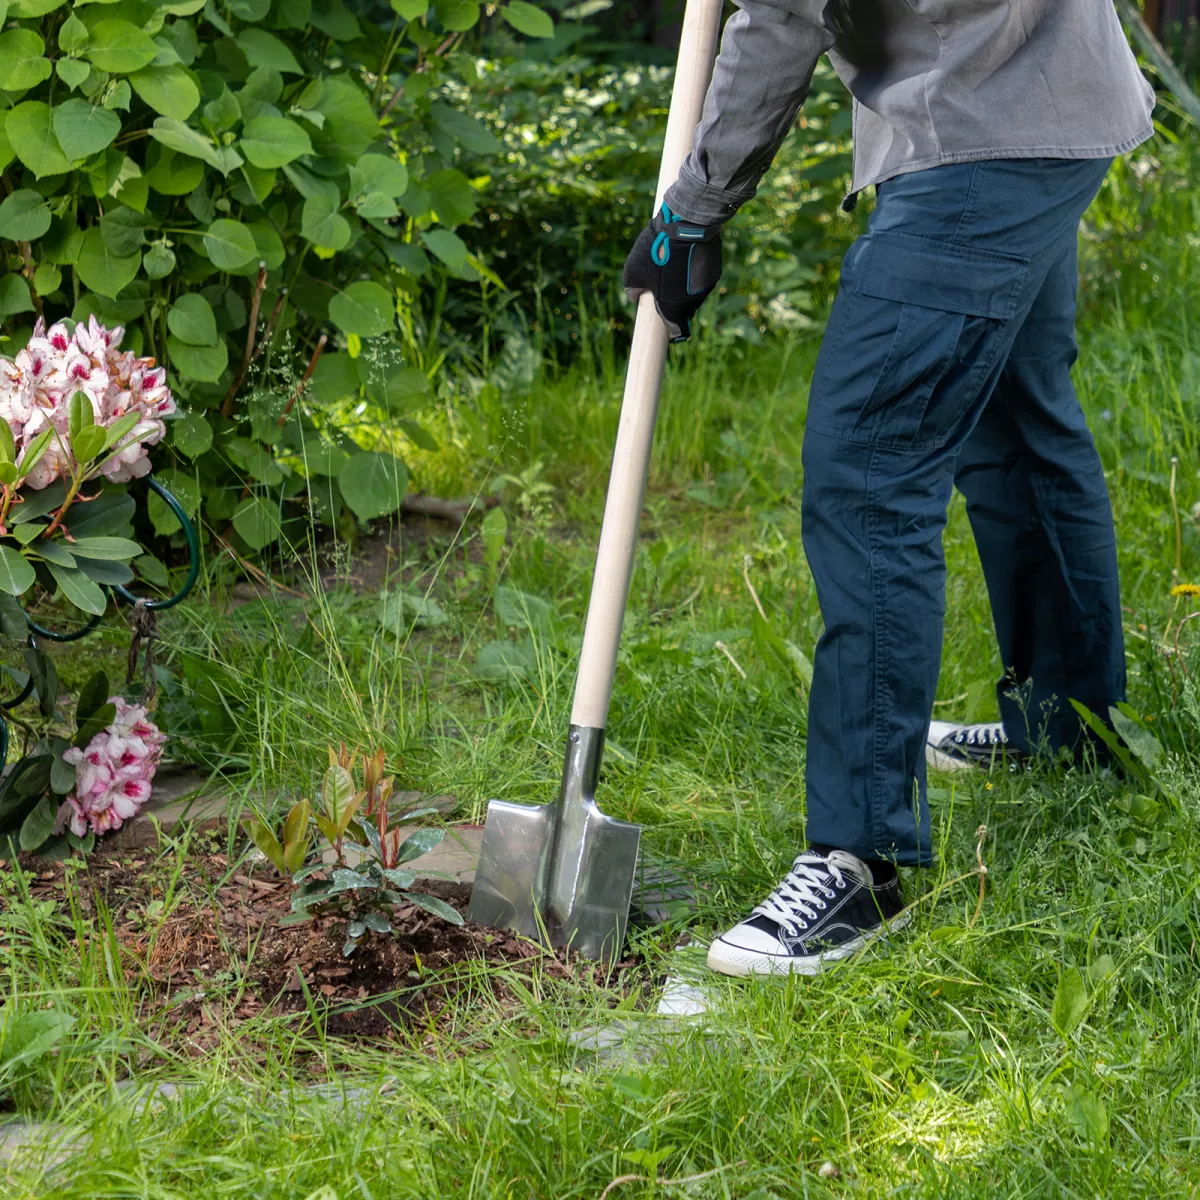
[639, 408]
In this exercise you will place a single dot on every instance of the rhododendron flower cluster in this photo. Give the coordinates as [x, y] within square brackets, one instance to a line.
[113, 773]
[36, 388]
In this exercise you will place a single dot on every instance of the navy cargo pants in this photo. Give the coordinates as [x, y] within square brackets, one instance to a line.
[947, 363]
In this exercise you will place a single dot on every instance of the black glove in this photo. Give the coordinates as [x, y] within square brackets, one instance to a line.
[678, 263]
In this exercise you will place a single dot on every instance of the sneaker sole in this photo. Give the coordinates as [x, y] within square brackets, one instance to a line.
[728, 959]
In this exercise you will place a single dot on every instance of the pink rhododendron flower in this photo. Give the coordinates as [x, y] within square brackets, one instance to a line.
[113, 773]
[36, 388]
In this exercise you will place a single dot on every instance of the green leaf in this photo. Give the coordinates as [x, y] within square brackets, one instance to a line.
[432, 904]
[519, 610]
[54, 552]
[400, 390]
[378, 173]
[79, 414]
[93, 695]
[72, 35]
[351, 125]
[273, 141]
[332, 17]
[420, 842]
[372, 484]
[205, 364]
[345, 880]
[79, 589]
[191, 320]
[104, 272]
[256, 522]
[458, 16]
[120, 47]
[1136, 736]
[175, 135]
[22, 60]
[398, 611]
[410, 10]
[229, 245]
[121, 549]
[72, 72]
[267, 842]
[447, 246]
[16, 575]
[24, 216]
[29, 459]
[24, 9]
[364, 308]
[322, 224]
[1087, 1113]
[39, 824]
[124, 230]
[95, 722]
[192, 435]
[494, 532]
[109, 513]
[468, 132]
[32, 138]
[88, 445]
[1070, 1001]
[46, 280]
[528, 19]
[337, 792]
[264, 49]
[158, 262]
[168, 90]
[14, 296]
[12, 618]
[82, 129]
[45, 683]
[503, 661]
[62, 776]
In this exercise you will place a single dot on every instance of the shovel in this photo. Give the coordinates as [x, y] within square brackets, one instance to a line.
[564, 872]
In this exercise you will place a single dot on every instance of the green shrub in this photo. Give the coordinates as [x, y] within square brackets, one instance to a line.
[206, 173]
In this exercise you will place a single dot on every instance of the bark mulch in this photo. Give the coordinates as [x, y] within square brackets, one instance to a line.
[219, 957]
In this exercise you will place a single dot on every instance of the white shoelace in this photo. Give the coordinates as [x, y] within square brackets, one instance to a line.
[982, 735]
[803, 892]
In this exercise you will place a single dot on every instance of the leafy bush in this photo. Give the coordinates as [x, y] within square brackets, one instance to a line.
[195, 172]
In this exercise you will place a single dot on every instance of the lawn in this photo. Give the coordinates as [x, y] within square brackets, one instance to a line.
[1033, 1036]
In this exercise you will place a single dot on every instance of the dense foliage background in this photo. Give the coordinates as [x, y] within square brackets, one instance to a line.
[324, 218]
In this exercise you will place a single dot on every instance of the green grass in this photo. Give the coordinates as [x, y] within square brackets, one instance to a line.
[937, 1067]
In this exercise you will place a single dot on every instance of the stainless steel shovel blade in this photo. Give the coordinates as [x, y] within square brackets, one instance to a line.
[563, 872]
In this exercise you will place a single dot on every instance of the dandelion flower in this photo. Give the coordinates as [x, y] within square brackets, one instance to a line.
[1191, 590]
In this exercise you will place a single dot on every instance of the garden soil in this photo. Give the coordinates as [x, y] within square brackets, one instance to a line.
[220, 958]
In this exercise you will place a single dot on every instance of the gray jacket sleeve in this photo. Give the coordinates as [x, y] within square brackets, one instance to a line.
[769, 51]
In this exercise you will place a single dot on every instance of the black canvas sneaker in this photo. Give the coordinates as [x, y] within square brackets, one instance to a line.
[829, 905]
[950, 747]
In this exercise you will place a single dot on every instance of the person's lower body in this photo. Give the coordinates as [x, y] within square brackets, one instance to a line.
[946, 361]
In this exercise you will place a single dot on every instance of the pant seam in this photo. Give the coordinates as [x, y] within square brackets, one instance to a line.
[879, 656]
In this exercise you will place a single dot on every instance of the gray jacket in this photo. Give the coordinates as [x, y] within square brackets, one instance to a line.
[934, 81]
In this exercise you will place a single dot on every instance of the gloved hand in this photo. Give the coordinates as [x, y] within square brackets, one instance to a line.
[678, 263]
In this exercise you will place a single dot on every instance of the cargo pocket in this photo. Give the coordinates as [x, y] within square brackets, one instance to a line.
[946, 309]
